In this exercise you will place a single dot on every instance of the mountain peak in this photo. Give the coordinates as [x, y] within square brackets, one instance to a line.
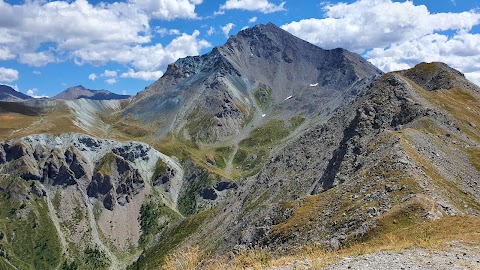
[7, 93]
[437, 75]
[79, 91]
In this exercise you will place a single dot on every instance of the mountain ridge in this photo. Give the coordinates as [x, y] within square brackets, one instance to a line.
[79, 92]
[9, 94]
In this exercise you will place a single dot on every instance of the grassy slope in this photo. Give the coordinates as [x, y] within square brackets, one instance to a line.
[30, 238]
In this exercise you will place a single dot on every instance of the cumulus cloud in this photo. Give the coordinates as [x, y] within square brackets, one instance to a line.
[147, 62]
[164, 31]
[263, 6]
[69, 28]
[92, 77]
[252, 20]
[6, 54]
[8, 74]
[211, 31]
[111, 81]
[33, 93]
[396, 35]
[39, 59]
[227, 28]
[41, 32]
[142, 75]
[109, 73]
[168, 9]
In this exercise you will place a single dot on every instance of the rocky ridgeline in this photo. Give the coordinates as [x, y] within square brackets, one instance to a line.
[214, 96]
[105, 169]
[359, 165]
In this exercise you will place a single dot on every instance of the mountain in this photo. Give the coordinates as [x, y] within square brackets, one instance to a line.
[262, 71]
[9, 94]
[78, 92]
[402, 156]
[263, 148]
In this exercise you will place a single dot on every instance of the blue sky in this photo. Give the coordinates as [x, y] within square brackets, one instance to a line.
[123, 46]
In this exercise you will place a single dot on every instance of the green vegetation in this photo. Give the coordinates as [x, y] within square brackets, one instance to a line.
[187, 202]
[198, 122]
[263, 95]
[254, 150]
[149, 214]
[69, 266]
[250, 160]
[104, 166]
[95, 258]
[270, 133]
[155, 256]
[161, 169]
[30, 239]
[134, 131]
[296, 121]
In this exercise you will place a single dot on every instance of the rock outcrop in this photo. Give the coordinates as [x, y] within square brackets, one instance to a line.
[108, 170]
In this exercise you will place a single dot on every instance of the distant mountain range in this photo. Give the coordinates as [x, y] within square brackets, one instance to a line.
[78, 92]
[7, 93]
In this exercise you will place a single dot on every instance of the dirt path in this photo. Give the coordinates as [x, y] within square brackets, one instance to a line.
[454, 256]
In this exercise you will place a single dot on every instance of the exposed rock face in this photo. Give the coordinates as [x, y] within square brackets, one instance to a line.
[111, 171]
[391, 147]
[215, 95]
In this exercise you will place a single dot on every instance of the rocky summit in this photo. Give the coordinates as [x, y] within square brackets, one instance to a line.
[265, 153]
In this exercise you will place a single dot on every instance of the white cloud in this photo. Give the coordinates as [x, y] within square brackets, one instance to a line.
[92, 77]
[168, 9]
[263, 6]
[211, 31]
[109, 73]
[6, 54]
[372, 24]
[142, 75]
[157, 57]
[164, 31]
[8, 74]
[227, 28]
[37, 72]
[111, 81]
[252, 20]
[396, 35]
[33, 93]
[39, 59]
[69, 28]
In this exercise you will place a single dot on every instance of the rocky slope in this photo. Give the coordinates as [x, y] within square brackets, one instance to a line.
[9, 94]
[97, 188]
[401, 153]
[262, 73]
[78, 92]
